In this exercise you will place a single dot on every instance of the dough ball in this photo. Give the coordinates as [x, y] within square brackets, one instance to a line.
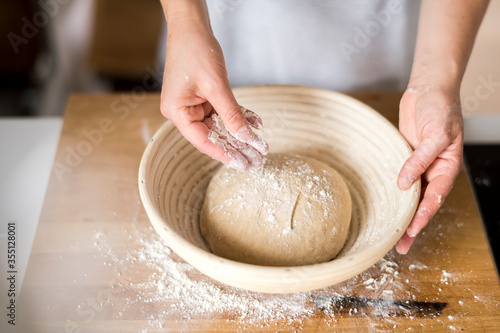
[293, 211]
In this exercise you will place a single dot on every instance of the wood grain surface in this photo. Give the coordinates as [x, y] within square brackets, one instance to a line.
[87, 269]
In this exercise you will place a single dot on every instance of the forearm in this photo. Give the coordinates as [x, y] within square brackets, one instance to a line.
[186, 13]
[446, 33]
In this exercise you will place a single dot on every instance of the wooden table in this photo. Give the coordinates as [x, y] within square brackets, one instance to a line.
[82, 274]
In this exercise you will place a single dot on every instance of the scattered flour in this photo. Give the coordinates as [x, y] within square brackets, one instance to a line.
[172, 281]
[389, 271]
[418, 266]
[445, 277]
[152, 278]
[186, 293]
[241, 153]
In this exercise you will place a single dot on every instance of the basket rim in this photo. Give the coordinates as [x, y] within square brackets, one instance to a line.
[208, 263]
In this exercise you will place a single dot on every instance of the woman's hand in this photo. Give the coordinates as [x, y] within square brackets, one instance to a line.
[430, 118]
[197, 98]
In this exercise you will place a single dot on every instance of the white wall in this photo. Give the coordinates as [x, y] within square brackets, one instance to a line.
[484, 64]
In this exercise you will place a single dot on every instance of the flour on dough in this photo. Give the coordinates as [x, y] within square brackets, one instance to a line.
[292, 211]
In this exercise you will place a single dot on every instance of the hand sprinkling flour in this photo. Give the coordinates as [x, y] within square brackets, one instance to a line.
[197, 98]
[243, 153]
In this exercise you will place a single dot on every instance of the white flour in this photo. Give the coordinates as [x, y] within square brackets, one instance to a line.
[151, 283]
[180, 291]
[172, 280]
[241, 153]
[276, 204]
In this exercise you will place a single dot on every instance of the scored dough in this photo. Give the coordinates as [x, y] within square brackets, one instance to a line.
[293, 211]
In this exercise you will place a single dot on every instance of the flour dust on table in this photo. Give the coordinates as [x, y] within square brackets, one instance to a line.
[166, 290]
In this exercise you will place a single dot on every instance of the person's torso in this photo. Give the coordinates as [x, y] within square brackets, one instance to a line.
[333, 44]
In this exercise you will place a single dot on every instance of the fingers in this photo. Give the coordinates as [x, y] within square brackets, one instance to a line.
[219, 133]
[201, 126]
[404, 244]
[235, 119]
[433, 198]
[256, 142]
[209, 143]
[222, 99]
[237, 159]
[436, 192]
[423, 156]
[252, 118]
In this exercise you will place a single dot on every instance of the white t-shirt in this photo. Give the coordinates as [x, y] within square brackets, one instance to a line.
[335, 44]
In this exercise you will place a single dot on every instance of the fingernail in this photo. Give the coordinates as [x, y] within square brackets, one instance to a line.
[253, 157]
[411, 233]
[401, 250]
[253, 119]
[238, 162]
[406, 182]
[256, 163]
[244, 134]
[259, 144]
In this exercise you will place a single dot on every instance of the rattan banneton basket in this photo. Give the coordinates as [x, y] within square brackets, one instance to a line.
[331, 127]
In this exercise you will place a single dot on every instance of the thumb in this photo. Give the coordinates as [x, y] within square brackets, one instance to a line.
[228, 109]
[233, 116]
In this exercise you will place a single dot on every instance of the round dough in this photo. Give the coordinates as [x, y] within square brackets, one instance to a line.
[293, 211]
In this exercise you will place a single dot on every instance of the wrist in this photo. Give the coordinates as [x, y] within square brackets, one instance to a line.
[186, 14]
[434, 80]
[436, 71]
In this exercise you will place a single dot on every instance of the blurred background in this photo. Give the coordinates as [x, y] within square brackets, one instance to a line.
[50, 49]
[53, 48]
